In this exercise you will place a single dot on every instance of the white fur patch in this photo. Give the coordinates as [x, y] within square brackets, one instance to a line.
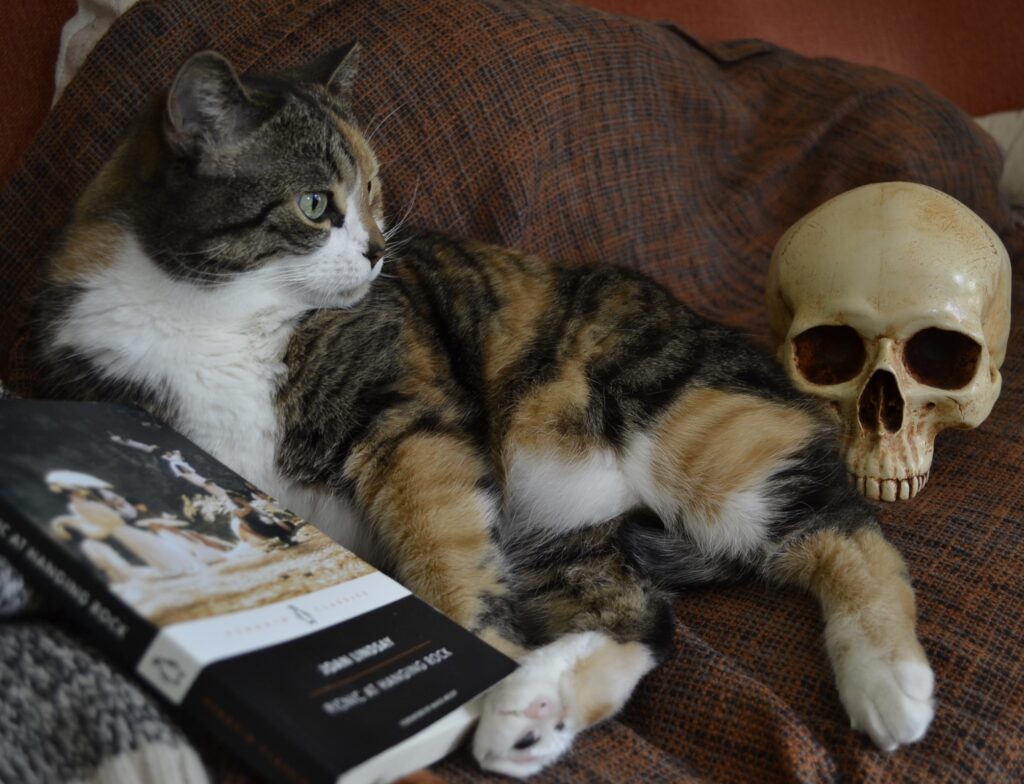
[557, 495]
[740, 526]
[887, 695]
[531, 718]
[217, 349]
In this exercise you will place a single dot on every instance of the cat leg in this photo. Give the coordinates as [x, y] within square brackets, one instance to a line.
[601, 626]
[432, 508]
[531, 718]
[757, 484]
[882, 674]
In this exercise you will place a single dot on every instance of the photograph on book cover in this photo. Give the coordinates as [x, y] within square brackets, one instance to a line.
[170, 537]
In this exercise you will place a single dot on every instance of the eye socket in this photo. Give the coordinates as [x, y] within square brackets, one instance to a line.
[941, 358]
[829, 354]
[314, 205]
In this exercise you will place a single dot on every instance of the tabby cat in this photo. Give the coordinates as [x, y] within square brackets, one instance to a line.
[547, 454]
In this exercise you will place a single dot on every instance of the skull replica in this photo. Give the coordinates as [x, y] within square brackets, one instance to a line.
[892, 302]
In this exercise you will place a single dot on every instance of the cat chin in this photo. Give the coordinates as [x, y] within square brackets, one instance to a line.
[348, 297]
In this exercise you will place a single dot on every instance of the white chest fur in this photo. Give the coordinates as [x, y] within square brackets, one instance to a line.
[217, 351]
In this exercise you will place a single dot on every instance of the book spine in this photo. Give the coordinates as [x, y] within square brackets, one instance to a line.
[115, 628]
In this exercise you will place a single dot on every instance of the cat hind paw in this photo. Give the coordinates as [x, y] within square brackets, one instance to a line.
[891, 702]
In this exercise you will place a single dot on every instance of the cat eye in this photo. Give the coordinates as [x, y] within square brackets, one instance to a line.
[314, 205]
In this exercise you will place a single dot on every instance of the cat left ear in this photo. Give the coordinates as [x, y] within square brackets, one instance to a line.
[207, 106]
[336, 70]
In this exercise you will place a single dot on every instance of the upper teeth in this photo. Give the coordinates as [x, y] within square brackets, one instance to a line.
[879, 489]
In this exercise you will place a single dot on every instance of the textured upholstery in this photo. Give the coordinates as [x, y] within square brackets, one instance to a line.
[29, 39]
[589, 137]
[974, 57]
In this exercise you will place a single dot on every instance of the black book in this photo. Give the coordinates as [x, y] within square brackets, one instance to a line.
[304, 659]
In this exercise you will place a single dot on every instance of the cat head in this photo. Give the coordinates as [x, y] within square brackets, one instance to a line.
[233, 176]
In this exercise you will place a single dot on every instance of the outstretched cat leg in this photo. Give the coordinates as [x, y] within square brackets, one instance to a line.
[882, 673]
[428, 500]
[758, 482]
[532, 717]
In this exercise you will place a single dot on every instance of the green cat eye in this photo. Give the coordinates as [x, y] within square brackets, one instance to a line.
[314, 205]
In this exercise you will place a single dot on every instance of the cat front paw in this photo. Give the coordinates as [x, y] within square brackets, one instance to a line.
[529, 720]
[532, 717]
[893, 703]
[523, 727]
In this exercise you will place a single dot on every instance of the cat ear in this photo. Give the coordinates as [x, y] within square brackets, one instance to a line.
[207, 106]
[335, 70]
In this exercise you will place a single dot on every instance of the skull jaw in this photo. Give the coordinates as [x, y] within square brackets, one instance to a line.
[891, 489]
[890, 466]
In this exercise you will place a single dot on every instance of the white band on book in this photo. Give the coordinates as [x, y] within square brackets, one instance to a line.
[175, 658]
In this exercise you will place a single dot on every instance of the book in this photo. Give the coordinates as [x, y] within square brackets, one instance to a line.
[302, 658]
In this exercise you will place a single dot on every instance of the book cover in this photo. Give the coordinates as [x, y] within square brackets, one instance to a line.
[307, 661]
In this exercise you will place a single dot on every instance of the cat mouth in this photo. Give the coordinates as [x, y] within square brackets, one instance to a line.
[378, 265]
[375, 269]
[350, 295]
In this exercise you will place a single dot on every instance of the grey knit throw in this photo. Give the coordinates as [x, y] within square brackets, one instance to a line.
[67, 715]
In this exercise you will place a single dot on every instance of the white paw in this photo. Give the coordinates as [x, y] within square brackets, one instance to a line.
[524, 725]
[527, 721]
[891, 702]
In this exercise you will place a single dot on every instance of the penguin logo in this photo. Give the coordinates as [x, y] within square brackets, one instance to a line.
[302, 615]
[169, 670]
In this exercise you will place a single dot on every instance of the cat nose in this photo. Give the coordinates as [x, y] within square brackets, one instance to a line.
[374, 251]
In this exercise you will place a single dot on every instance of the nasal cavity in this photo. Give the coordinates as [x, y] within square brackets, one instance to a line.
[881, 404]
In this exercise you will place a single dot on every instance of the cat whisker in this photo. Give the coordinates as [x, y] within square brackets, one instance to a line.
[398, 225]
[379, 124]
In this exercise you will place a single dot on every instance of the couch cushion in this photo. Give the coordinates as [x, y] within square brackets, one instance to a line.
[975, 59]
[589, 137]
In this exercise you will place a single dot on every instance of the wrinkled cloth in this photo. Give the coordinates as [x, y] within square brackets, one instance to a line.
[588, 137]
[67, 714]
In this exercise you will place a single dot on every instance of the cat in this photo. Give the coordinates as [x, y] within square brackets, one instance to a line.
[548, 454]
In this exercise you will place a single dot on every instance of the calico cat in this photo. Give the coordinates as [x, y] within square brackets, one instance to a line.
[547, 454]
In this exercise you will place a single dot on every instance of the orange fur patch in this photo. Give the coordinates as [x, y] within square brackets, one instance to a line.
[543, 420]
[861, 577]
[430, 515]
[524, 299]
[88, 247]
[605, 679]
[712, 444]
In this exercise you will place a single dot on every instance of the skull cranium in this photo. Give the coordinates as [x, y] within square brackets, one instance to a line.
[892, 302]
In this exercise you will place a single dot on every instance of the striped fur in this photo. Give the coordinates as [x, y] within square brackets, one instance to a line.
[548, 454]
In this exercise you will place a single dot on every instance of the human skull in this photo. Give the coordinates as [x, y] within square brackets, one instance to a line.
[892, 302]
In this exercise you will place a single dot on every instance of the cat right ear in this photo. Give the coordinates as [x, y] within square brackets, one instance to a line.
[207, 105]
[335, 70]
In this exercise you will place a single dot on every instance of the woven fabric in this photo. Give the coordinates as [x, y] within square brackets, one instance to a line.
[589, 137]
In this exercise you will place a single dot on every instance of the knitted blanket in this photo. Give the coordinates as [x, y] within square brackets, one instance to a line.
[69, 716]
[586, 137]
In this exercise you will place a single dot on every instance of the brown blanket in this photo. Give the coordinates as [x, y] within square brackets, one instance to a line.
[589, 137]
